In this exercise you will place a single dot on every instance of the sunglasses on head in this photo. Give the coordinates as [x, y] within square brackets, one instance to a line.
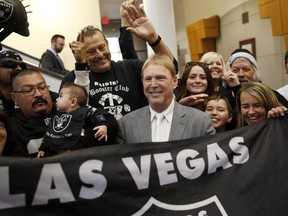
[12, 64]
[193, 63]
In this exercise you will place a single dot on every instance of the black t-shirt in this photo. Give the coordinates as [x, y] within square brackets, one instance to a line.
[25, 134]
[119, 90]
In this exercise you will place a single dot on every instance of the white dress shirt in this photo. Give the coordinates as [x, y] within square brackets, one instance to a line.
[165, 123]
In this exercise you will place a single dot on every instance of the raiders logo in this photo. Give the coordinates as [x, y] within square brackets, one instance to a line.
[61, 123]
[210, 206]
[6, 11]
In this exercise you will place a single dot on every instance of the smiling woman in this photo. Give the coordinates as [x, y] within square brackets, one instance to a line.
[255, 102]
[195, 86]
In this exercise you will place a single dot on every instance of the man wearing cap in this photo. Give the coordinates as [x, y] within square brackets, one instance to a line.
[284, 90]
[9, 61]
[243, 68]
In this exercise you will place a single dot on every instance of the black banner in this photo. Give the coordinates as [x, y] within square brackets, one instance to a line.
[240, 172]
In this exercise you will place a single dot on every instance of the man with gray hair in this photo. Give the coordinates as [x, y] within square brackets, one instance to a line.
[243, 68]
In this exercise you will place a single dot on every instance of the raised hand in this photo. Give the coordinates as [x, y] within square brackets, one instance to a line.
[139, 23]
[78, 49]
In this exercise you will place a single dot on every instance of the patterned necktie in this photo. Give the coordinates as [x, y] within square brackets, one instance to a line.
[60, 61]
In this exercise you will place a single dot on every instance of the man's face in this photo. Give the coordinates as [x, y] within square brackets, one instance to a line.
[32, 95]
[59, 45]
[97, 53]
[158, 86]
[7, 68]
[244, 70]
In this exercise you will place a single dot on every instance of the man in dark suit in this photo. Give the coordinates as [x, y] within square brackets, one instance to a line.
[50, 59]
[179, 122]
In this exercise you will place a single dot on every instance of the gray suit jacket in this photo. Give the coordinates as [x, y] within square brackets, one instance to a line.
[50, 62]
[187, 122]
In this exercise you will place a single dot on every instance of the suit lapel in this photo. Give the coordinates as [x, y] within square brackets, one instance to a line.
[178, 123]
[145, 125]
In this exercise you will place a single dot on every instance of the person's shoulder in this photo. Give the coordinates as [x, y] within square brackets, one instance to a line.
[189, 110]
[129, 62]
[70, 76]
[135, 114]
[16, 114]
[47, 52]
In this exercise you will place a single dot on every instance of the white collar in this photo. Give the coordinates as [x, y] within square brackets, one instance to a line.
[168, 113]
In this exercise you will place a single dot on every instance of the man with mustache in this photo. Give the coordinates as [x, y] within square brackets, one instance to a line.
[116, 86]
[28, 123]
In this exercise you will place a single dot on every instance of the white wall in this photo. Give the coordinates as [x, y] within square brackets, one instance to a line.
[270, 49]
[67, 17]
[51, 17]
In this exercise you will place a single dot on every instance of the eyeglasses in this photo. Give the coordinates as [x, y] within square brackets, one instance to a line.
[31, 91]
[193, 63]
[2, 124]
[12, 64]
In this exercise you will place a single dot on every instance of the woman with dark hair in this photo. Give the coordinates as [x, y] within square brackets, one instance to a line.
[195, 86]
[3, 132]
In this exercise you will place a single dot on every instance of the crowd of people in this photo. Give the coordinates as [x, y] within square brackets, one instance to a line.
[104, 102]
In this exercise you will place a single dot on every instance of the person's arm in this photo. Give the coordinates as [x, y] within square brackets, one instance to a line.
[143, 28]
[125, 40]
[82, 76]
[99, 116]
[81, 65]
[277, 112]
[126, 44]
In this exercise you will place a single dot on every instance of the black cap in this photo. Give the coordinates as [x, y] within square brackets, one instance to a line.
[11, 55]
[13, 19]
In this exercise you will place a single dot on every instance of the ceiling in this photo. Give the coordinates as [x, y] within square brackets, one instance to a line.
[110, 9]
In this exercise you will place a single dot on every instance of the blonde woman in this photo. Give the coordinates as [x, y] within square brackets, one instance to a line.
[255, 102]
[216, 65]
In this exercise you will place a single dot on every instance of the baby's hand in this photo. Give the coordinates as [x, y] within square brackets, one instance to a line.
[40, 154]
[101, 132]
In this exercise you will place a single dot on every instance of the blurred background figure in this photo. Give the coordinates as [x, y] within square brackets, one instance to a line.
[50, 59]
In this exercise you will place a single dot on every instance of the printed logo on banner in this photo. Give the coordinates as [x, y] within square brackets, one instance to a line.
[62, 122]
[6, 10]
[210, 206]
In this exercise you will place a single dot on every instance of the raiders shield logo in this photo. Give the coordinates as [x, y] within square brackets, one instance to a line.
[210, 206]
[6, 10]
[60, 123]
